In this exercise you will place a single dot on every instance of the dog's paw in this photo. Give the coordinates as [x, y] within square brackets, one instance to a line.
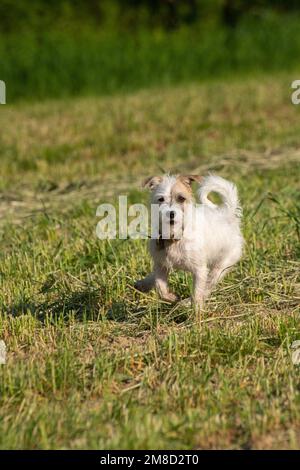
[170, 297]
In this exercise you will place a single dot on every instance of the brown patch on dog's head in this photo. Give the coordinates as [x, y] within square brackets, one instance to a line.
[151, 182]
[182, 191]
[189, 179]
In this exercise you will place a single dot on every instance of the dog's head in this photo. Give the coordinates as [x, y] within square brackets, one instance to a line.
[173, 196]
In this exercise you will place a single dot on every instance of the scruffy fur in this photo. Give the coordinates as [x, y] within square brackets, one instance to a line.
[214, 243]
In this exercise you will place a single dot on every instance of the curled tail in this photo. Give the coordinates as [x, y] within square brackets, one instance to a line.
[227, 191]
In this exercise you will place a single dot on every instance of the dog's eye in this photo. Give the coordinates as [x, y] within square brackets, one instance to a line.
[180, 198]
[161, 199]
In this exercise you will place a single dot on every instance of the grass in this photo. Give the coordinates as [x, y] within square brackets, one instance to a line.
[92, 363]
[54, 63]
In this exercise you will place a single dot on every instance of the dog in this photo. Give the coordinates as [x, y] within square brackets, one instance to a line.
[207, 244]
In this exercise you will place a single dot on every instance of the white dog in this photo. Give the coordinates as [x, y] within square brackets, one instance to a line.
[207, 244]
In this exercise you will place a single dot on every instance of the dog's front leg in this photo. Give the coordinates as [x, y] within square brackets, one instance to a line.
[158, 279]
[200, 278]
[161, 284]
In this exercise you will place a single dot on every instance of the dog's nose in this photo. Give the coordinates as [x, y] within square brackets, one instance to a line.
[172, 215]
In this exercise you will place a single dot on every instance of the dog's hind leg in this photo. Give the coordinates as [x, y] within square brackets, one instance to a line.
[216, 274]
[200, 281]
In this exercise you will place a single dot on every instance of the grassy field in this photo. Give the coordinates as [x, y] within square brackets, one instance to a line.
[92, 363]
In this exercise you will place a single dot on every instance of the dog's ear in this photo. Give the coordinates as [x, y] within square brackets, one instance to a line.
[152, 182]
[188, 179]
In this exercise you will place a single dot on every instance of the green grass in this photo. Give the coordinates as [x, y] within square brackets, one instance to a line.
[53, 64]
[94, 364]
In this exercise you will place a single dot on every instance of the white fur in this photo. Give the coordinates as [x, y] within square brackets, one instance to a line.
[208, 249]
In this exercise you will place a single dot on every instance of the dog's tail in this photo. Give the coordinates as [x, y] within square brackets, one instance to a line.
[227, 191]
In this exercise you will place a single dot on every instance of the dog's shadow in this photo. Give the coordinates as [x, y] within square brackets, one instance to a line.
[89, 305]
[82, 305]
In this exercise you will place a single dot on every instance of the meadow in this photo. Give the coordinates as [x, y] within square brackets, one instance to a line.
[92, 363]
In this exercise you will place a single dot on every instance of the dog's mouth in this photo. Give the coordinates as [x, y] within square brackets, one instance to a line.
[172, 222]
